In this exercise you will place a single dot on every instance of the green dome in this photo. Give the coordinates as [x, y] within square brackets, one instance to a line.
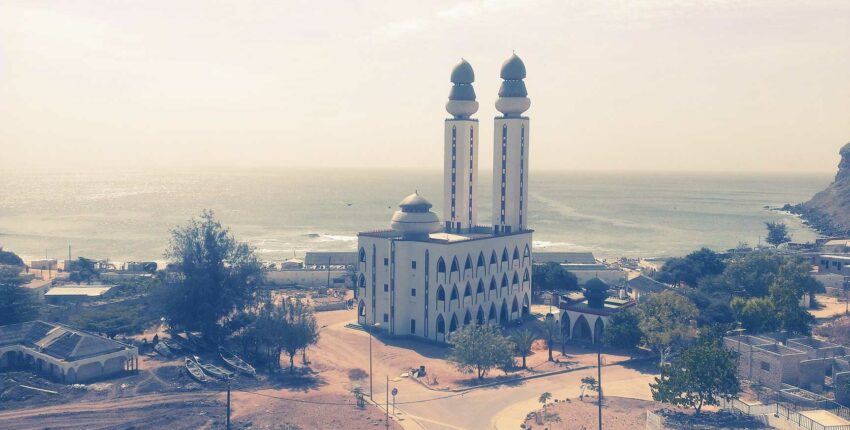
[513, 69]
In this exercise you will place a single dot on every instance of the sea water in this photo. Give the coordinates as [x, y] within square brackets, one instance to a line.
[127, 215]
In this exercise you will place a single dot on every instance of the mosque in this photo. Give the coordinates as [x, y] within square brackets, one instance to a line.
[426, 278]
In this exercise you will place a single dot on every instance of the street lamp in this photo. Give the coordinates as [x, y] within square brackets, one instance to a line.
[369, 330]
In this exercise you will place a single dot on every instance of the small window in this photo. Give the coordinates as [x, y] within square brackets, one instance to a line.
[386, 262]
[765, 366]
[413, 264]
[386, 287]
[386, 318]
[412, 326]
[413, 292]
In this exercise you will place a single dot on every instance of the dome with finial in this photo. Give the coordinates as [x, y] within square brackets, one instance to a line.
[463, 73]
[415, 220]
[513, 68]
[596, 291]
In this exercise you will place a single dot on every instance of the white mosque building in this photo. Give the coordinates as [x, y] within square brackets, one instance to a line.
[427, 278]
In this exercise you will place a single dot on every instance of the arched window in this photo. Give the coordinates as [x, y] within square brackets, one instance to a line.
[493, 259]
[467, 318]
[441, 293]
[480, 288]
[455, 269]
[441, 269]
[515, 306]
[361, 309]
[362, 281]
[453, 325]
[467, 292]
[505, 255]
[505, 281]
[492, 315]
[441, 325]
[454, 295]
[526, 254]
[515, 280]
[362, 256]
[479, 317]
[467, 266]
[516, 254]
[481, 264]
[525, 276]
[493, 284]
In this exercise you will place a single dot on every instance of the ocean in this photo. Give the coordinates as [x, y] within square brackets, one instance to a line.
[127, 215]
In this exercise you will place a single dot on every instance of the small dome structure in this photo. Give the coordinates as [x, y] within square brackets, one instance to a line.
[462, 102]
[463, 73]
[513, 96]
[513, 69]
[596, 291]
[415, 220]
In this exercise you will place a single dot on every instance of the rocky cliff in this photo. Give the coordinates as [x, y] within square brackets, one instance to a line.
[829, 210]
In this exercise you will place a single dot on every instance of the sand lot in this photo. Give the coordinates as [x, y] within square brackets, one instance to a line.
[617, 414]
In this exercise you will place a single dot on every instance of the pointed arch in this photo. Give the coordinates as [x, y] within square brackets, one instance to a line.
[493, 258]
[467, 265]
[505, 256]
[454, 295]
[361, 310]
[492, 284]
[598, 330]
[526, 306]
[467, 319]
[480, 288]
[454, 269]
[492, 316]
[482, 265]
[565, 323]
[361, 283]
[453, 324]
[581, 329]
[441, 269]
[504, 280]
[515, 280]
[441, 294]
[516, 256]
[525, 277]
[361, 255]
[479, 316]
[441, 324]
[514, 306]
[467, 291]
[503, 312]
[526, 255]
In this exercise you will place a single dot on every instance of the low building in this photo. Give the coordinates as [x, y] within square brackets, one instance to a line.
[834, 263]
[583, 317]
[63, 354]
[836, 246]
[642, 285]
[44, 264]
[76, 293]
[541, 257]
[323, 260]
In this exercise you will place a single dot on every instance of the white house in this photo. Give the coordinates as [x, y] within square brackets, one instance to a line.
[427, 278]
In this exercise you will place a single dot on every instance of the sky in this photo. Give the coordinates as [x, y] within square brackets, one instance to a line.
[650, 85]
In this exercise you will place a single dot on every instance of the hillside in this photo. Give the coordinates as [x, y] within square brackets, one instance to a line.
[829, 210]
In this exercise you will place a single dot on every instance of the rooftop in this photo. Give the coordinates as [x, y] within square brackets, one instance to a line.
[79, 291]
[476, 233]
[564, 257]
[57, 340]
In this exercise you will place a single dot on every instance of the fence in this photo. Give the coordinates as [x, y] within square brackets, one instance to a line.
[791, 413]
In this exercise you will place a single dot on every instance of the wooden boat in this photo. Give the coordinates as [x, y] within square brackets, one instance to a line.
[213, 370]
[172, 345]
[234, 362]
[195, 370]
[163, 350]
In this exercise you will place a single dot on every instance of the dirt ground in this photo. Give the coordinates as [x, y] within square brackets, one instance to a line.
[617, 414]
[830, 306]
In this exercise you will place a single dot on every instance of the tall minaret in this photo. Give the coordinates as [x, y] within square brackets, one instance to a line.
[510, 151]
[461, 152]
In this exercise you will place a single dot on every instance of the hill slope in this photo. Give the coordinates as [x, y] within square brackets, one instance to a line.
[829, 210]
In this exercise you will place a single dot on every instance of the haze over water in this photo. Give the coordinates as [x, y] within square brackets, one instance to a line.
[126, 215]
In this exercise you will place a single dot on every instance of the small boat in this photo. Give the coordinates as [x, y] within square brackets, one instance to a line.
[172, 345]
[163, 350]
[213, 370]
[234, 362]
[195, 370]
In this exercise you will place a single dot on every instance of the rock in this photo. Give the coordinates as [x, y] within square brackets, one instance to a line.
[829, 210]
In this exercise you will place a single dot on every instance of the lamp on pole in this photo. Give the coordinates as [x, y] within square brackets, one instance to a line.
[369, 330]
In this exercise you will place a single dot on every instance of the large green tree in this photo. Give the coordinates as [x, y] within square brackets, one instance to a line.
[553, 277]
[749, 276]
[701, 375]
[216, 277]
[757, 314]
[17, 303]
[10, 258]
[479, 348]
[666, 321]
[777, 233]
[623, 330]
[691, 268]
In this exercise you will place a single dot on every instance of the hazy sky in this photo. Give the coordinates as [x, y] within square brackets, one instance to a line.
[708, 85]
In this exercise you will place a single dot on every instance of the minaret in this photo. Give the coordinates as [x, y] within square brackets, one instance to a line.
[510, 151]
[460, 178]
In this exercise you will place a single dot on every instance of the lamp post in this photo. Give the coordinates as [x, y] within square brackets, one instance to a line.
[369, 330]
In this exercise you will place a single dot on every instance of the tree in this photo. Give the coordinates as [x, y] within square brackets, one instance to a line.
[665, 321]
[85, 270]
[701, 375]
[553, 277]
[623, 330]
[216, 276]
[17, 303]
[691, 268]
[757, 314]
[523, 340]
[9, 258]
[544, 400]
[752, 275]
[777, 233]
[789, 286]
[479, 348]
[588, 383]
[551, 332]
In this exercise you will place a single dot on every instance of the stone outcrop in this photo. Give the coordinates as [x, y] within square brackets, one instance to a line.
[829, 210]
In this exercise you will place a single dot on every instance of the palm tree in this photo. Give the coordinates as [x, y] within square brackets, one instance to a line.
[523, 339]
[552, 330]
[544, 400]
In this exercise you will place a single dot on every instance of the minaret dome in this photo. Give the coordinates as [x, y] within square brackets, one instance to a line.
[513, 96]
[462, 102]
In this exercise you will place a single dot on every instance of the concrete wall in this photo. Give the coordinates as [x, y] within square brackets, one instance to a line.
[308, 278]
[812, 374]
[841, 382]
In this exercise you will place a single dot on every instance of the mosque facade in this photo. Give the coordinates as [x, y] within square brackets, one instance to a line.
[428, 278]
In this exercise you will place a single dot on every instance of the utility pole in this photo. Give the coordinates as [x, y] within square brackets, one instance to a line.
[228, 404]
[369, 330]
[388, 403]
[599, 378]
